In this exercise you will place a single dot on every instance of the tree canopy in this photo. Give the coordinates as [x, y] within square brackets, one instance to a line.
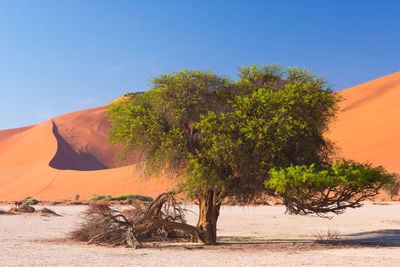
[242, 139]
[277, 118]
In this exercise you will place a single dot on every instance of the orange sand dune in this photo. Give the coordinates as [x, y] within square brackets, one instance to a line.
[82, 141]
[65, 156]
[70, 155]
[368, 126]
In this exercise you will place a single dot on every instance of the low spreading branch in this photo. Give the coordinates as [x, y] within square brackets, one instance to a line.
[333, 200]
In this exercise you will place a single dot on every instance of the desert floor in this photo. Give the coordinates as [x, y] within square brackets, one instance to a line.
[248, 236]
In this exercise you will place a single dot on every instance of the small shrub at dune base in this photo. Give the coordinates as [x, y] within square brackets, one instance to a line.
[132, 197]
[29, 201]
[99, 197]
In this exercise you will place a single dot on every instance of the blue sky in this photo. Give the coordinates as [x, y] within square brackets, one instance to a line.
[61, 56]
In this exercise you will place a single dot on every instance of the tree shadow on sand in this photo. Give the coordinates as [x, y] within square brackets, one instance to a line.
[383, 238]
[227, 240]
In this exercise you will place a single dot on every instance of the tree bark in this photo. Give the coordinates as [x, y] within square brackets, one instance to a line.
[209, 206]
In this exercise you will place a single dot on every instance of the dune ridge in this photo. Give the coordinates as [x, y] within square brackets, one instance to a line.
[366, 92]
[66, 156]
[367, 128]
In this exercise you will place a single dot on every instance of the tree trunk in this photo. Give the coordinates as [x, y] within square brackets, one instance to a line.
[209, 206]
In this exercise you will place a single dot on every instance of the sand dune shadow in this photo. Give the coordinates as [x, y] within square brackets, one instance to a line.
[66, 158]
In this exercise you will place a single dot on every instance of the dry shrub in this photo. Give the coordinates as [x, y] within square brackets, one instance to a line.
[29, 209]
[392, 189]
[47, 212]
[3, 212]
[330, 236]
[24, 208]
[55, 203]
[95, 221]
[161, 219]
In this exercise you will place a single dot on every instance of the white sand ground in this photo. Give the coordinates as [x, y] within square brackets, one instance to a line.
[251, 236]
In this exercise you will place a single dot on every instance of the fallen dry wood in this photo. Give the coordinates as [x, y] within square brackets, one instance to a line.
[162, 219]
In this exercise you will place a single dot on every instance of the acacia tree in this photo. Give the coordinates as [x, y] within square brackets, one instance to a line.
[227, 139]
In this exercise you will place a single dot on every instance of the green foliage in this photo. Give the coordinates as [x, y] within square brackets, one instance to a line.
[295, 179]
[230, 137]
[99, 197]
[133, 197]
[278, 118]
[159, 123]
[29, 201]
[311, 188]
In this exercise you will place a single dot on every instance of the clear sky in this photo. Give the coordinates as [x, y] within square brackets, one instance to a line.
[61, 56]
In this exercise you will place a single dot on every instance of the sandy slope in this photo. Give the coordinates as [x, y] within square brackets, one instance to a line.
[65, 156]
[70, 155]
[252, 236]
[368, 126]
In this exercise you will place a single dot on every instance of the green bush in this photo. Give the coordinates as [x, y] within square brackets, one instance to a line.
[99, 197]
[29, 201]
[132, 197]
